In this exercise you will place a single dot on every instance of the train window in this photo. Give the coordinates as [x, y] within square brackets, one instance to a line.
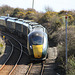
[37, 40]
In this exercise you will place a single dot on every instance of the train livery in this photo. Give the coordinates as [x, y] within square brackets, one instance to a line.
[37, 38]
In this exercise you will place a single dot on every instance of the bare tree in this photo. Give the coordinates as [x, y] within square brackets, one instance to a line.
[47, 8]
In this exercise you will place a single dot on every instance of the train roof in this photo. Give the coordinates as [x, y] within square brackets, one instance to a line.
[36, 28]
[33, 26]
[33, 23]
[26, 21]
[6, 17]
[25, 24]
[19, 22]
[12, 19]
[3, 17]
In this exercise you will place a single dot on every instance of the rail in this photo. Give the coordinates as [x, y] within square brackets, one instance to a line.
[11, 54]
[8, 57]
[31, 67]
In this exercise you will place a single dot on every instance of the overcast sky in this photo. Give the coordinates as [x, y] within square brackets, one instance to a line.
[39, 5]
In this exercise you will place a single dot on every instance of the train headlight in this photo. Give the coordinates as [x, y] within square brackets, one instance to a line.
[30, 47]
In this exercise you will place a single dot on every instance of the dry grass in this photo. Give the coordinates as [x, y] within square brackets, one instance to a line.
[2, 46]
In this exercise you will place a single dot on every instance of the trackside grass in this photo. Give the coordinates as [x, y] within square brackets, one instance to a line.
[2, 46]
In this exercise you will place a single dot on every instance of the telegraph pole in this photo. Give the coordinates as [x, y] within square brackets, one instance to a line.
[33, 4]
[66, 21]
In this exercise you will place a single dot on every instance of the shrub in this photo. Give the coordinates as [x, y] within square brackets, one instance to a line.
[70, 48]
[2, 46]
[71, 66]
[20, 15]
[14, 13]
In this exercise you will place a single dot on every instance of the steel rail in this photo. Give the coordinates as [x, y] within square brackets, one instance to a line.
[16, 63]
[8, 57]
[23, 51]
[18, 48]
[28, 71]
[19, 56]
[42, 68]
[30, 67]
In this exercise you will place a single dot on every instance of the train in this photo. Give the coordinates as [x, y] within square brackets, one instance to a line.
[37, 37]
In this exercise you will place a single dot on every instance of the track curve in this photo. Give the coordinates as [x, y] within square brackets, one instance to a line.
[7, 69]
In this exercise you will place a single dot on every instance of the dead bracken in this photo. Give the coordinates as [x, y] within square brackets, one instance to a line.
[2, 46]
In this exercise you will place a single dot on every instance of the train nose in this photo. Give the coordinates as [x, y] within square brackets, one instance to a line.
[37, 51]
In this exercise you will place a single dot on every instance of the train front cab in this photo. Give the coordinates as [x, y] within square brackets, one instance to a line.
[38, 45]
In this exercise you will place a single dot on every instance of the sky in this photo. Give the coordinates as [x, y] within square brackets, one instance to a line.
[39, 5]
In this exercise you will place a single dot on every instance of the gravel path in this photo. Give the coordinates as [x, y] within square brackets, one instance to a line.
[50, 62]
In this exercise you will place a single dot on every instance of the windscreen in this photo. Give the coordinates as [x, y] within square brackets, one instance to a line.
[36, 39]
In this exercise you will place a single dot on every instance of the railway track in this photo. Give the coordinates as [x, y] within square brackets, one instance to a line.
[36, 69]
[21, 41]
[11, 63]
[22, 67]
[8, 55]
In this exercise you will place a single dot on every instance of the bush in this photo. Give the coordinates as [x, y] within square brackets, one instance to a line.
[31, 15]
[2, 46]
[48, 17]
[4, 10]
[14, 13]
[20, 15]
[71, 66]
[70, 46]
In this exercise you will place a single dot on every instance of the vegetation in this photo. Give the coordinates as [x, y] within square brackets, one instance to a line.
[4, 10]
[70, 49]
[54, 22]
[2, 46]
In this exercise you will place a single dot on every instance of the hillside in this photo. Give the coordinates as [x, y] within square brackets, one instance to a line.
[54, 22]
